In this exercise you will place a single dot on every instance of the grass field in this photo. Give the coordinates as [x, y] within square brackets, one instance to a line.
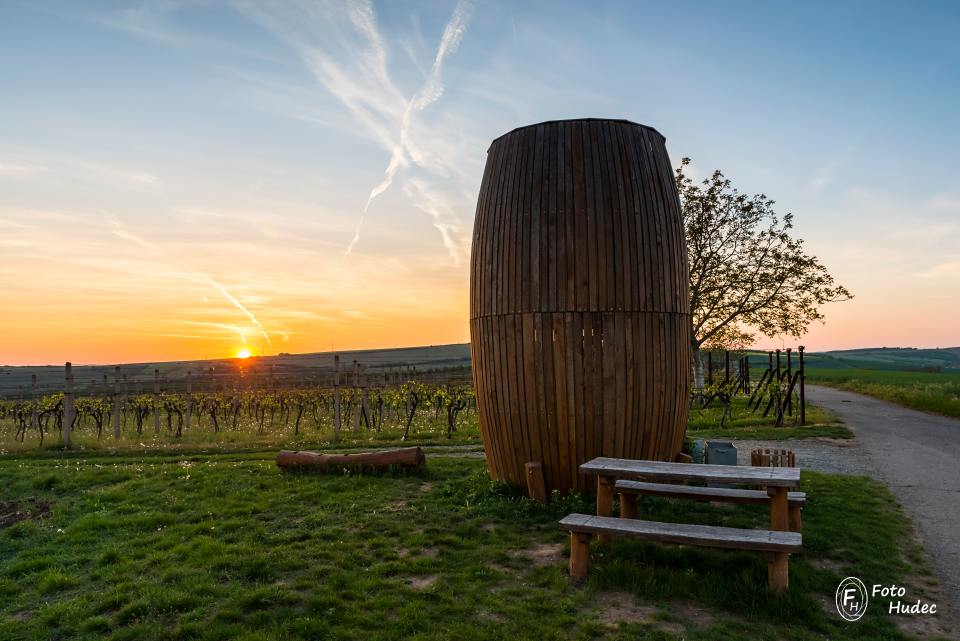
[227, 547]
[746, 424]
[929, 392]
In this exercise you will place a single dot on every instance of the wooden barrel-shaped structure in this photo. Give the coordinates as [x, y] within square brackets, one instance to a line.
[579, 300]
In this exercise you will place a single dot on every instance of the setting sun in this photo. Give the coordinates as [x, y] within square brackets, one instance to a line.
[243, 352]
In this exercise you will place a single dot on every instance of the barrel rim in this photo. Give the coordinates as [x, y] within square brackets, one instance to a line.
[559, 120]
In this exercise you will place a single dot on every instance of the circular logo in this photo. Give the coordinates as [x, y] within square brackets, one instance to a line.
[851, 598]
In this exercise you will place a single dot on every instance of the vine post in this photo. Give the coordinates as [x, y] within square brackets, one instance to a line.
[803, 404]
[34, 416]
[156, 401]
[189, 400]
[336, 397]
[356, 396]
[789, 378]
[116, 402]
[67, 404]
[363, 398]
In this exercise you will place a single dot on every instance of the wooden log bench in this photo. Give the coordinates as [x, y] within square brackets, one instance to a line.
[778, 545]
[630, 490]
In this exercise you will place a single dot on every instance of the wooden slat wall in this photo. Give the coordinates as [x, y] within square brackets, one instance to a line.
[579, 303]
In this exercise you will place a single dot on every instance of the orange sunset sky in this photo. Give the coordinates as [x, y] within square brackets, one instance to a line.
[179, 181]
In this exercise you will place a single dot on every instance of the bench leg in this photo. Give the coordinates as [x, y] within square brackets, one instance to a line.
[605, 486]
[579, 555]
[778, 568]
[796, 521]
[779, 519]
[628, 506]
[778, 573]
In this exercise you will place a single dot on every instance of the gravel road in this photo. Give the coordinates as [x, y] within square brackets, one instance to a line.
[916, 454]
[835, 456]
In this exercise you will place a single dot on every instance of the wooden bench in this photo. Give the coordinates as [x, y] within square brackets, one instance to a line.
[778, 545]
[629, 490]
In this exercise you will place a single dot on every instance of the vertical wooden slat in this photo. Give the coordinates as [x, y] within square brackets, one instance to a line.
[530, 401]
[561, 434]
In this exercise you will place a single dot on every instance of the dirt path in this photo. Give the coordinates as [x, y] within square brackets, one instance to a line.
[918, 456]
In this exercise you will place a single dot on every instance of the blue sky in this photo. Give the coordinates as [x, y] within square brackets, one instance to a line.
[149, 148]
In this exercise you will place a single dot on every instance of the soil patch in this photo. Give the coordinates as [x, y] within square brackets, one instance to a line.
[15, 511]
[614, 608]
[542, 554]
[421, 582]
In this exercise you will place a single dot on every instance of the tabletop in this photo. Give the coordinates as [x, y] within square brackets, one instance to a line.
[661, 470]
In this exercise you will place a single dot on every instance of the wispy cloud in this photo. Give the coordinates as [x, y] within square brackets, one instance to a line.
[58, 164]
[443, 215]
[18, 170]
[828, 172]
[344, 49]
[430, 92]
[944, 202]
[946, 270]
[126, 235]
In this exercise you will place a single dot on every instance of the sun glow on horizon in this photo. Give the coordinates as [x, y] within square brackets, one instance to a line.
[244, 352]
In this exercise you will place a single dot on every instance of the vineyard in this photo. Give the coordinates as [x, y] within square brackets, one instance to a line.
[243, 407]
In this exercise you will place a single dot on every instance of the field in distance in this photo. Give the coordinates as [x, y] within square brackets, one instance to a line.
[288, 366]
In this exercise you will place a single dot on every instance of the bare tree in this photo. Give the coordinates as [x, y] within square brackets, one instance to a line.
[748, 275]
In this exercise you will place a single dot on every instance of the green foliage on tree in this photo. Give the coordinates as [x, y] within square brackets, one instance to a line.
[748, 274]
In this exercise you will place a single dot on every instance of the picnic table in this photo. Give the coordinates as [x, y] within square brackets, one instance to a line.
[631, 478]
[778, 480]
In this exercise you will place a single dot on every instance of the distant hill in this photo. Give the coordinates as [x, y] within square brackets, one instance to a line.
[871, 358]
[13, 379]
[890, 358]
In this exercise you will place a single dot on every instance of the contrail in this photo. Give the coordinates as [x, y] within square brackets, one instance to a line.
[431, 90]
[427, 200]
[204, 277]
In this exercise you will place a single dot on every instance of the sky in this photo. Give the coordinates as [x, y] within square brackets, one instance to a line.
[182, 179]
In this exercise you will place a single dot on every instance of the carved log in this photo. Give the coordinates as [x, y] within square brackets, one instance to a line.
[412, 457]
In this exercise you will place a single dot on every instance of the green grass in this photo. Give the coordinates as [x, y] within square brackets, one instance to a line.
[928, 392]
[746, 424]
[156, 547]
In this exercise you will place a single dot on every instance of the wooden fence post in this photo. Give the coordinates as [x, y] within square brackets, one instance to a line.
[803, 400]
[156, 401]
[34, 415]
[189, 401]
[356, 396]
[789, 399]
[363, 398]
[336, 397]
[116, 402]
[536, 488]
[67, 404]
